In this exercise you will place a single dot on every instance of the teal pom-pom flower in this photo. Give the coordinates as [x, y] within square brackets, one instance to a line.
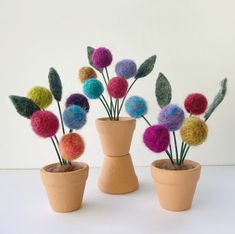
[93, 88]
[136, 107]
[74, 117]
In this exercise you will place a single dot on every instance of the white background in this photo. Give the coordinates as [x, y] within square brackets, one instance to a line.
[194, 42]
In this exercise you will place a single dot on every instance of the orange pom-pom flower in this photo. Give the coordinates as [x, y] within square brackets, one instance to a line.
[71, 146]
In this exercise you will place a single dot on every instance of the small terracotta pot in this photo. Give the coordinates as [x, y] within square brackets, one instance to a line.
[117, 173]
[65, 189]
[175, 188]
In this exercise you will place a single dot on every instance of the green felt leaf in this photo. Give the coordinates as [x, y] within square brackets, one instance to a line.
[163, 90]
[218, 99]
[55, 84]
[24, 106]
[90, 51]
[146, 67]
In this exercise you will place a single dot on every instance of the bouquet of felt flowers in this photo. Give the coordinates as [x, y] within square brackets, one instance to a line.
[117, 87]
[46, 124]
[193, 129]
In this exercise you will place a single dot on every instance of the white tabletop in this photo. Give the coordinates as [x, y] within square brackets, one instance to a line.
[24, 207]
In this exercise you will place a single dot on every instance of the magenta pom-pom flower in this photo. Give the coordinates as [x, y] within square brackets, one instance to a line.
[101, 57]
[156, 138]
[44, 123]
[195, 103]
[117, 87]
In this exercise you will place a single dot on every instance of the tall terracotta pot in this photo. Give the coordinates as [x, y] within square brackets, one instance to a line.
[175, 188]
[65, 189]
[117, 173]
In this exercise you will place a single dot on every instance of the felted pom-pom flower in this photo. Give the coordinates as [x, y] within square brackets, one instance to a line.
[71, 146]
[136, 106]
[117, 87]
[40, 96]
[195, 103]
[194, 131]
[74, 117]
[78, 100]
[156, 138]
[93, 88]
[101, 57]
[171, 117]
[86, 73]
[44, 123]
[126, 68]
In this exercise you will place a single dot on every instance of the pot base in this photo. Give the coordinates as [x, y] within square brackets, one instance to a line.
[65, 189]
[118, 175]
[175, 188]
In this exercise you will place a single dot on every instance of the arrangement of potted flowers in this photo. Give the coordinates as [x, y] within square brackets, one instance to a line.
[64, 181]
[175, 178]
[117, 174]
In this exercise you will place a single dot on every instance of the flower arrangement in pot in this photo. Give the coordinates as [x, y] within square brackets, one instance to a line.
[64, 181]
[115, 132]
[175, 178]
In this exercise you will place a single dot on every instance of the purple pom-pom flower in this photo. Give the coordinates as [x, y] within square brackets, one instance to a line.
[78, 100]
[156, 138]
[171, 117]
[126, 68]
[101, 57]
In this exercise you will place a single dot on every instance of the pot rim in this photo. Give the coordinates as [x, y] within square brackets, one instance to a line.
[84, 168]
[197, 166]
[121, 119]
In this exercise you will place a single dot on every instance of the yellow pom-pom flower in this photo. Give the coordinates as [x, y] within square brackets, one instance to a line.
[86, 73]
[40, 96]
[194, 131]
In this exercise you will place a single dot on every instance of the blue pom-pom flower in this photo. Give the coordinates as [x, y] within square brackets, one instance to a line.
[126, 68]
[74, 117]
[93, 88]
[136, 107]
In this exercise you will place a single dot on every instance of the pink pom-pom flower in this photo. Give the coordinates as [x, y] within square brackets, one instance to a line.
[156, 138]
[117, 87]
[101, 57]
[44, 123]
[195, 103]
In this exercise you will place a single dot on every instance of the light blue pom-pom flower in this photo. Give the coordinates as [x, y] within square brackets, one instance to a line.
[136, 107]
[74, 117]
[93, 88]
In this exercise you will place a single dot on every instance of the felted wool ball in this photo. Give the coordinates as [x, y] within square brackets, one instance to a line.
[136, 106]
[156, 138]
[93, 88]
[74, 117]
[117, 87]
[101, 57]
[71, 146]
[78, 100]
[126, 68]
[194, 131]
[44, 123]
[171, 117]
[86, 73]
[40, 96]
[195, 103]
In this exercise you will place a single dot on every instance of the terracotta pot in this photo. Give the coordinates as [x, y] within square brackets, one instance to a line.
[65, 189]
[175, 188]
[117, 173]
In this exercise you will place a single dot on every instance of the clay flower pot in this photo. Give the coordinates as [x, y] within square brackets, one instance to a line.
[117, 173]
[65, 189]
[175, 188]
